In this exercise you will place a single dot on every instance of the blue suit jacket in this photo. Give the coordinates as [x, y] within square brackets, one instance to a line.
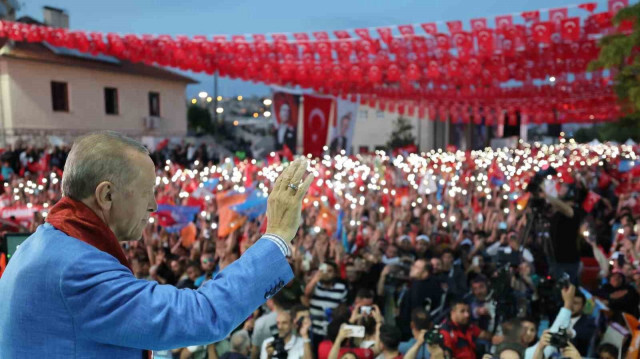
[63, 298]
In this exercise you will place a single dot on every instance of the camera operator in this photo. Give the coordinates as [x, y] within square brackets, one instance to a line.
[286, 344]
[568, 351]
[459, 334]
[420, 323]
[565, 220]
[563, 320]
[424, 290]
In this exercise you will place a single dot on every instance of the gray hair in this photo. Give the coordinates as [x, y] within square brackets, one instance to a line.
[240, 341]
[98, 157]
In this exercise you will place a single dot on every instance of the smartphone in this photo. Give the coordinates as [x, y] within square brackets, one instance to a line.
[465, 225]
[475, 261]
[357, 331]
[365, 310]
[502, 226]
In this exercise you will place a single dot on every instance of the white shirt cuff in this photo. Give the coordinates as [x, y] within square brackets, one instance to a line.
[281, 243]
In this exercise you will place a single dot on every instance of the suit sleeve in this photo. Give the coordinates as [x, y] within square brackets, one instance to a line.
[109, 305]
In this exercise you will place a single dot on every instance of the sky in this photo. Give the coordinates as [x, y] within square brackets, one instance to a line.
[215, 17]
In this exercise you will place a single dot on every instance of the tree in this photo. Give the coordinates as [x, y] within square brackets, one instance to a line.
[199, 120]
[402, 134]
[619, 53]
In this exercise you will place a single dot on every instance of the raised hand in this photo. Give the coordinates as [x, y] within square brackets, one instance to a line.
[284, 206]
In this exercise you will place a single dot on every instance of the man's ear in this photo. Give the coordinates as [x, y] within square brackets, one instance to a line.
[104, 195]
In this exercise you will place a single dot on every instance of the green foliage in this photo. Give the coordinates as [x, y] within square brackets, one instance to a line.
[199, 120]
[402, 134]
[620, 131]
[619, 53]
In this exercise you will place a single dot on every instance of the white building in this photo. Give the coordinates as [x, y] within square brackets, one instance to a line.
[46, 90]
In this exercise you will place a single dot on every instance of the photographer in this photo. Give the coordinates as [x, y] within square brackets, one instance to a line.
[420, 323]
[286, 344]
[568, 351]
[565, 220]
[563, 320]
[429, 351]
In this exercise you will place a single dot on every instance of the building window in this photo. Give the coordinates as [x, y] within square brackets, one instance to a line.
[154, 104]
[111, 101]
[60, 96]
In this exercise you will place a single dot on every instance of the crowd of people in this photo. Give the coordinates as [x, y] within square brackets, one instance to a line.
[515, 253]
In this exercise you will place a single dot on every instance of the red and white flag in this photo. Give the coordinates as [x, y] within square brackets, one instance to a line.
[316, 123]
[590, 202]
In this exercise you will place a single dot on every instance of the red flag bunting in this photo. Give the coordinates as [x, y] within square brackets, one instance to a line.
[363, 33]
[541, 32]
[342, 34]
[504, 22]
[533, 16]
[454, 26]
[571, 29]
[616, 5]
[557, 15]
[406, 30]
[589, 6]
[321, 35]
[430, 28]
[478, 24]
[385, 34]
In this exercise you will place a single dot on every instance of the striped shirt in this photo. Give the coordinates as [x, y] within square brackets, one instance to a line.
[324, 298]
[281, 243]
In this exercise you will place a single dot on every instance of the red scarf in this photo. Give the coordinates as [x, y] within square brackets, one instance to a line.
[77, 220]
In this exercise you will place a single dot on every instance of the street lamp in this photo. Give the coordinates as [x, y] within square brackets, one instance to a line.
[203, 95]
[267, 102]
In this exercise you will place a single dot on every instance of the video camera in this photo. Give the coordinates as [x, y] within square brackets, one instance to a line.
[433, 336]
[549, 290]
[560, 339]
[278, 348]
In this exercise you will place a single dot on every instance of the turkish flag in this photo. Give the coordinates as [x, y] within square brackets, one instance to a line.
[589, 6]
[430, 28]
[533, 16]
[570, 29]
[301, 36]
[485, 40]
[616, 5]
[321, 36]
[406, 30]
[462, 40]
[443, 41]
[504, 22]
[279, 37]
[385, 34]
[363, 33]
[478, 24]
[541, 32]
[342, 34]
[454, 26]
[316, 124]
[557, 15]
[590, 202]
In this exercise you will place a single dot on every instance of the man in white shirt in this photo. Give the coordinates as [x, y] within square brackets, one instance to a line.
[295, 347]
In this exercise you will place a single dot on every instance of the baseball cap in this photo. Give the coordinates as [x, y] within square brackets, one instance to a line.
[423, 237]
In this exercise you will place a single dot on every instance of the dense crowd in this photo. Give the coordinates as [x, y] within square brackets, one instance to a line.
[521, 253]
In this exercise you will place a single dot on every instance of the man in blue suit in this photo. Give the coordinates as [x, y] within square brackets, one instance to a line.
[68, 292]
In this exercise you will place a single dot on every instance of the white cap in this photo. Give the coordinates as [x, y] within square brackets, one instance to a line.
[423, 237]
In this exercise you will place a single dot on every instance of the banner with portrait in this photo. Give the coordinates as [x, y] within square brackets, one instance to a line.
[285, 107]
[317, 111]
[343, 126]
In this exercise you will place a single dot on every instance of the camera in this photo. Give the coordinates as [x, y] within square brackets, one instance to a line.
[433, 336]
[564, 281]
[278, 348]
[560, 339]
